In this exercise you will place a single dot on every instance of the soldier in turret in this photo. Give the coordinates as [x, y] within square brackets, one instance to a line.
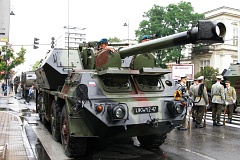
[103, 44]
[145, 38]
[218, 99]
[231, 98]
[201, 101]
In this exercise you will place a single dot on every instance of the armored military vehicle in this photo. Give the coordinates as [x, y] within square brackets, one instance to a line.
[28, 79]
[232, 75]
[114, 95]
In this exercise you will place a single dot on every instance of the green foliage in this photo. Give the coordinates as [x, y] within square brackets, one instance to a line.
[208, 72]
[15, 59]
[35, 66]
[164, 21]
[114, 39]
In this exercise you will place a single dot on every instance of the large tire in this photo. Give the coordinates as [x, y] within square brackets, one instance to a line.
[152, 141]
[55, 121]
[41, 109]
[73, 147]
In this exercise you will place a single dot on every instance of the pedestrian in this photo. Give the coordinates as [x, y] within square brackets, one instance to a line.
[200, 100]
[230, 95]
[3, 88]
[19, 90]
[11, 86]
[30, 94]
[218, 99]
[191, 88]
[183, 88]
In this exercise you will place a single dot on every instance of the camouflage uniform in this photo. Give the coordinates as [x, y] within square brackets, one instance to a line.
[218, 99]
[200, 103]
[231, 97]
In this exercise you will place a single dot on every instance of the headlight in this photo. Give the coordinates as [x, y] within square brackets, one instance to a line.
[119, 112]
[175, 108]
[179, 108]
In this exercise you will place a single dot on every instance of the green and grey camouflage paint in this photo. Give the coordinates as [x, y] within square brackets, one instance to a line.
[85, 95]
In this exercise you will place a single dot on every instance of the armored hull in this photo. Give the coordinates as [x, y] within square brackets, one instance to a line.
[55, 68]
[85, 94]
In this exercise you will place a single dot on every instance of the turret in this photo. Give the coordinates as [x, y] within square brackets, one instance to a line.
[205, 32]
[58, 64]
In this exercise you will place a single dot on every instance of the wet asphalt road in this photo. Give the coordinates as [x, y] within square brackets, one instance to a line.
[210, 143]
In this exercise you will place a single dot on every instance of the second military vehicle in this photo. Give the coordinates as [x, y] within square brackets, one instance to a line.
[28, 79]
[86, 95]
[231, 74]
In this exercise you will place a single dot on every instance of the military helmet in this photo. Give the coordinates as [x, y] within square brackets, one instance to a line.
[103, 41]
[146, 37]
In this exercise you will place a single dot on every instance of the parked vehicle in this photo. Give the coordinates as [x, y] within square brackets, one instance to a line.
[86, 96]
[28, 79]
[231, 74]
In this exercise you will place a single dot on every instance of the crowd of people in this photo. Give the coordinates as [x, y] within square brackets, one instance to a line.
[18, 91]
[220, 98]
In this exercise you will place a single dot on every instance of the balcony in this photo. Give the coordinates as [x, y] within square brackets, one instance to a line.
[201, 49]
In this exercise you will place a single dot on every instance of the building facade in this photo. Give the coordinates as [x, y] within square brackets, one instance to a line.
[71, 37]
[218, 56]
[4, 20]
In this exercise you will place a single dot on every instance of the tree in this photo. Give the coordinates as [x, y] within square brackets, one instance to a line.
[164, 21]
[9, 59]
[35, 66]
[114, 39]
[208, 72]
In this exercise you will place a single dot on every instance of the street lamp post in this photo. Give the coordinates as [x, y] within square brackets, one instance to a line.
[127, 24]
[5, 54]
[238, 42]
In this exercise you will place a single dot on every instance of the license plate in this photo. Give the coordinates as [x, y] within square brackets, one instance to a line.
[141, 110]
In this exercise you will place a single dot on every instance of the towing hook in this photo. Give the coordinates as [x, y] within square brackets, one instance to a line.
[170, 123]
[153, 123]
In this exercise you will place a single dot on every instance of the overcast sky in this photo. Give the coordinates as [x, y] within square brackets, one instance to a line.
[46, 18]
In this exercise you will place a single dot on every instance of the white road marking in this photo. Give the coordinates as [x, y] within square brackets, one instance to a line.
[199, 154]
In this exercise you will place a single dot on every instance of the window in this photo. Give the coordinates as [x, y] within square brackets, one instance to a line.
[235, 36]
[204, 63]
[235, 61]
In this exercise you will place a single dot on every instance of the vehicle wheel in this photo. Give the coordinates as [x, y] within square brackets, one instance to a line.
[73, 147]
[55, 121]
[42, 117]
[41, 110]
[152, 141]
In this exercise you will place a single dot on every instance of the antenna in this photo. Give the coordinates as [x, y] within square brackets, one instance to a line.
[68, 41]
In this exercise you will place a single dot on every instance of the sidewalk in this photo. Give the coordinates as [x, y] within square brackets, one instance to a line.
[14, 144]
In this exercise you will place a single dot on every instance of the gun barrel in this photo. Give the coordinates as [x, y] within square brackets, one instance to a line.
[205, 32]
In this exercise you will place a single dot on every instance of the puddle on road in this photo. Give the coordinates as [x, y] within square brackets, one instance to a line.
[37, 147]
[5, 109]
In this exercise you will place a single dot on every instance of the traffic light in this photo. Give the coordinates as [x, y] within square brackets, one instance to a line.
[52, 43]
[35, 43]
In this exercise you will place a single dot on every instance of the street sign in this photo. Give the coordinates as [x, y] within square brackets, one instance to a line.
[2, 72]
[183, 69]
